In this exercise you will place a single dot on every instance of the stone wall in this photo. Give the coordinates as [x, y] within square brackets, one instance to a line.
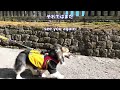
[101, 43]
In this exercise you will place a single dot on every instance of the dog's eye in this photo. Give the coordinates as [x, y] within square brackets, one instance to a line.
[58, 50]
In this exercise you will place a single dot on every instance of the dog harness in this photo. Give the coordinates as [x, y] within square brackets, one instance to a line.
[39, 60]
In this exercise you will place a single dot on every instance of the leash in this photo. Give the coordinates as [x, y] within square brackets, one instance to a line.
[7, 39]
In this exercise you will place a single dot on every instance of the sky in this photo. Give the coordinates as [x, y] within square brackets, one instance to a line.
[77, 13]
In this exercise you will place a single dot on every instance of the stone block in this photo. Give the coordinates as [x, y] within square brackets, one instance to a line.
[53, 40]
[33, 38]
[96, 52]
[101, 44]
[103, 52]
[25, 37]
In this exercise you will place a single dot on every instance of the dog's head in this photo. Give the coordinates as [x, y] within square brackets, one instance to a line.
[65, 52]
[61, 53]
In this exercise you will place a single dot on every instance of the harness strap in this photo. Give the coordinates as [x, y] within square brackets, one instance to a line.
[48, 58]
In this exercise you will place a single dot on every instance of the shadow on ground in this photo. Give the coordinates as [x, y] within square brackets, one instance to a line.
[8, 73]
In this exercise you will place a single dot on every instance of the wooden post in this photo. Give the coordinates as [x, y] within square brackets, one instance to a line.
[39, 13]
[105, 13]
[68, 12]
[112, 13]
[36, 14]
[28, 13]
[118, 13]
[92, 13]
[86, 13]
[80, 13]
[63, 12]
[15, 13]
[59, 13]
[48, 12]
[74, 13]
[33, 13]
[18, 13]
[25, 13]
[89, 13]
[0, 13]
[56, 13]
[7, 13]
[44, 13]
[102, 13]
[98, 13]
[22, 12]
[4, 13]
[51, 13]
[11, 13]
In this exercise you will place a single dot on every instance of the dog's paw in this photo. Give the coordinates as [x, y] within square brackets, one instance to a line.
[19, 77]
[57, 75]
[63, 63]
[60, 77]
[43, 75]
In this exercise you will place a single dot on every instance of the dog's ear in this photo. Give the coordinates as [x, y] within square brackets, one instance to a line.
[64, 49]
[66, 52]
[58, 50]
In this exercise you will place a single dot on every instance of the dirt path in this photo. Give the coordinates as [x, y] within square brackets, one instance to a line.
[79, 67]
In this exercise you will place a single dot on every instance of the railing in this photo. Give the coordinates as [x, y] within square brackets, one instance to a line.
[42, 15]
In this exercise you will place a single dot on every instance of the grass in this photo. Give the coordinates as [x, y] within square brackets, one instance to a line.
[93, 25]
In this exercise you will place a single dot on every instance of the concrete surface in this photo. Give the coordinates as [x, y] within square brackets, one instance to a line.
[78, 67]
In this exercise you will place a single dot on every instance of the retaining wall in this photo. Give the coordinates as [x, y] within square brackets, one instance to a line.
[90, 42]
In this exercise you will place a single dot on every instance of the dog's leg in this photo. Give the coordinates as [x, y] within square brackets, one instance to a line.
[19, 72]
[43, 73]
[52, 70]
[34, 72]
[20, 64]
[57, 75]
[64, 63]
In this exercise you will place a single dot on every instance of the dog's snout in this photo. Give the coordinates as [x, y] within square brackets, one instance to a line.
[67, 56]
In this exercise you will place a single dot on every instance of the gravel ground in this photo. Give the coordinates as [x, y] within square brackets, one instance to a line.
[78, 67]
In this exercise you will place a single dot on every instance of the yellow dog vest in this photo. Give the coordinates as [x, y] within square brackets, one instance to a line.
[36, 58]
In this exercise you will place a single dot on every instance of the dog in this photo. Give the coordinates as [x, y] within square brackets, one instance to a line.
[47, 60]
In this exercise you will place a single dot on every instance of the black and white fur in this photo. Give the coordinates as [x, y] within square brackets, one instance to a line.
[22, 62]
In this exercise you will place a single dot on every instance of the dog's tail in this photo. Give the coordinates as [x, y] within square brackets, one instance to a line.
[17, 65]
[20, 61]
